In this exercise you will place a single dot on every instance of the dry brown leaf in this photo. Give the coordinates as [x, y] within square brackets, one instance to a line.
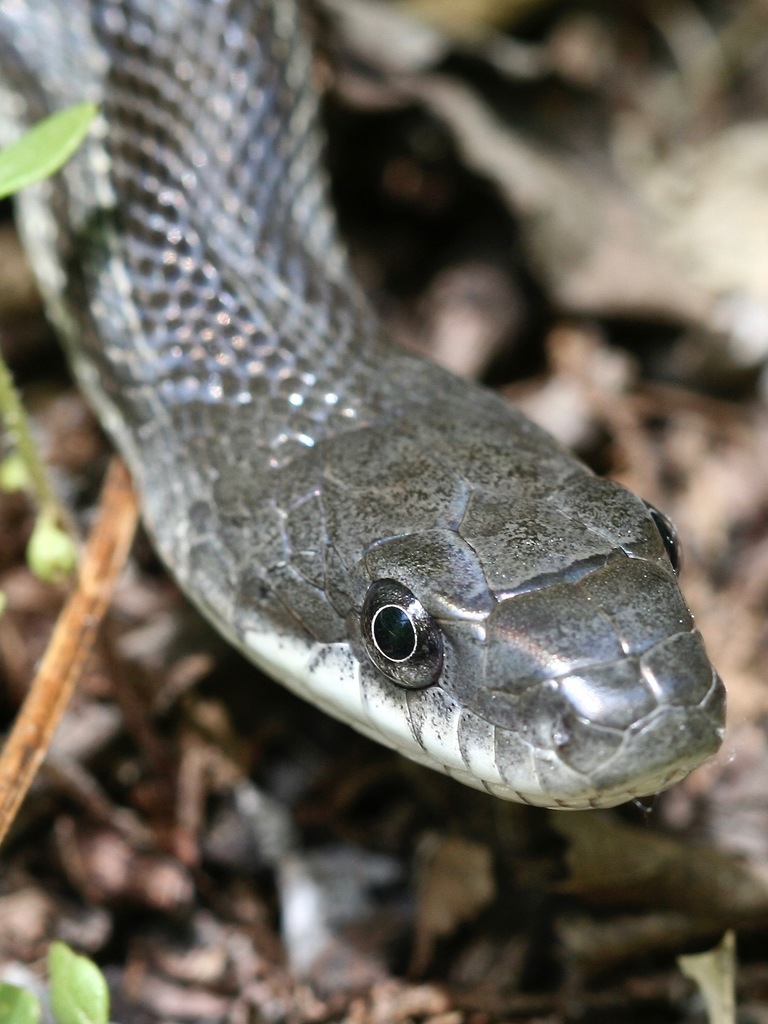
[591, 241]
[609, 861]
[471, 19]
[455, 882]
[715, 974]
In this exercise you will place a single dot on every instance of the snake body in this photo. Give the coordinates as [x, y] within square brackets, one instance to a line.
[398, 546]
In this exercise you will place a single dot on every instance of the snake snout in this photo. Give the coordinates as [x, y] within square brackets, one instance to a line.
[617, 701]
[642, 723]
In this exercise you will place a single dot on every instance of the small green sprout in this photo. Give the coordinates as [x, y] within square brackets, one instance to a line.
[14, 476]
[51, 553]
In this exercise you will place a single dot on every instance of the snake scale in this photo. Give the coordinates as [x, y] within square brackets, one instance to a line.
[400, 547]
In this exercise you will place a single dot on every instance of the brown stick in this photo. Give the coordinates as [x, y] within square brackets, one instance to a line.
[71, 643]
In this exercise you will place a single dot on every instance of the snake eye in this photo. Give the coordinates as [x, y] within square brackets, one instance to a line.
[401, 637]
[668, 536]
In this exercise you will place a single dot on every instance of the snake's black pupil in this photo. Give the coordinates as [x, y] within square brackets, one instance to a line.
[394, 633]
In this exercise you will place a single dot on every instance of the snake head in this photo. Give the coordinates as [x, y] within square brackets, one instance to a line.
[522, 632]
[453, 584]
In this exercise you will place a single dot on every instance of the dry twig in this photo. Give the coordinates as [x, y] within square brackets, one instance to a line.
[71, 643]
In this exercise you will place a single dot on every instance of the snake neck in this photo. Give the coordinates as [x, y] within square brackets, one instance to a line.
[194, 227]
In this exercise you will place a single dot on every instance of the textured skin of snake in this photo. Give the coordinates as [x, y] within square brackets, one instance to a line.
[530, 638]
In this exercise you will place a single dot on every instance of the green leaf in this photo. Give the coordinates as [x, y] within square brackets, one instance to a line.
[17, 1006]
[44, 148]
[79, 993]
